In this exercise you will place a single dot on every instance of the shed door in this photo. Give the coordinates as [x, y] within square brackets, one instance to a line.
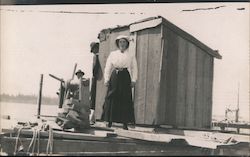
[148, 53]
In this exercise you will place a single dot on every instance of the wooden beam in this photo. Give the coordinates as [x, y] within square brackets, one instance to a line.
[167, 138]
[232, 125]
[82, 147]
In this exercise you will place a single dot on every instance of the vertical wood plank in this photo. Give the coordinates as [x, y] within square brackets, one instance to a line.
[153, 67]
[132, 44]
[209, 89]
[181, 82]
[199, 88]
[104, 51]
[207, 93]
[140, 88]
[162, 105]
[172, 57]
[190, 86]
[132, 50]
[160, 115]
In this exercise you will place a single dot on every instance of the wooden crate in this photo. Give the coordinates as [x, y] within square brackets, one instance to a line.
[175, 74]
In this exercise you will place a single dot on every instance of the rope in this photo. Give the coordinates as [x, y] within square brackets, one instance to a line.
[35, 139]
[32, 141]
[38, 143]
[18, 139]
[36, 135]
[49, 148]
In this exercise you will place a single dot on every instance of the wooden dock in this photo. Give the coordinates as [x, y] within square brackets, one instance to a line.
[238, 126]
[100, 140]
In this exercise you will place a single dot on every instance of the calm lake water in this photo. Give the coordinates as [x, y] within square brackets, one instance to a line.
[23, 112]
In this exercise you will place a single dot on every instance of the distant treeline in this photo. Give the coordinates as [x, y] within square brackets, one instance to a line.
[31, 99]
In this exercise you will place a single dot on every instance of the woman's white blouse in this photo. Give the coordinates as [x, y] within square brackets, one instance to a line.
[117, 59]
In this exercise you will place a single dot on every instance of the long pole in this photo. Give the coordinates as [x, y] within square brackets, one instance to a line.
[238, 105]
[73, 75]
[238, 108]
[40, 97]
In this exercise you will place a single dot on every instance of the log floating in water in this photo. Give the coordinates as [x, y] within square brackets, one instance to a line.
[5, 117]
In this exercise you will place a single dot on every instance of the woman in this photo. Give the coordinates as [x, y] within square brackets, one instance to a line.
[120, 75]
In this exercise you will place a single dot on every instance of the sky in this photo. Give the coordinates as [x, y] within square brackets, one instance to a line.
[42, 39]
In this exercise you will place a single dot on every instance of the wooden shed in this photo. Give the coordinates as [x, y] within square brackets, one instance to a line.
[175, 73]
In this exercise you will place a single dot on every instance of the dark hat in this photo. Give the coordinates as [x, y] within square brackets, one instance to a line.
[121, 37]
[79, 71]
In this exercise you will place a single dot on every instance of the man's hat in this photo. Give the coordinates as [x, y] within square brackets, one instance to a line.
[93, 44]
[79, 71]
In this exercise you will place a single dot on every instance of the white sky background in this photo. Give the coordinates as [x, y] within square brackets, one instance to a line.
[35, 42]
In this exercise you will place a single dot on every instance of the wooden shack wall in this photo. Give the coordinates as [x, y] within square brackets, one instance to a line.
[148, 53]
[175, 78]
[186, 83]
[107, 44]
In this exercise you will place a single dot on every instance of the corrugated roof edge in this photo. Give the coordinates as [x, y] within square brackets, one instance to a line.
[176, 29]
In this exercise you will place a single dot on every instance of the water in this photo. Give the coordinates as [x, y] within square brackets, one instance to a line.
[23, 112]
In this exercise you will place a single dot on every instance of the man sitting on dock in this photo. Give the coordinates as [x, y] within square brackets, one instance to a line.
[76, 110]
[74, 84]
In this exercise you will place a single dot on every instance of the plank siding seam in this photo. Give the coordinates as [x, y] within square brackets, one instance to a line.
[142, 50]
[165, 75]
[158, 106]
[176, 76]
[185, 84]
[204, 106]
[191, 84]
[207, 95]
[211, 86]
[153, 70]
[196, 88]
[186, 73]
[180, 89]
[146, 94]
[146, 103]
[162, 49]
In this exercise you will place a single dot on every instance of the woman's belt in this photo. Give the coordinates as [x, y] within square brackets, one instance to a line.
[120, 69]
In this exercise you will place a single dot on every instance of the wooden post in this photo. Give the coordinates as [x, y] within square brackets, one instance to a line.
[80, 89]
[40, 97]
[61, 95]
[237, 110]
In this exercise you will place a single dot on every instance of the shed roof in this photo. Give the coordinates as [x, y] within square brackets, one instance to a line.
[155, 21]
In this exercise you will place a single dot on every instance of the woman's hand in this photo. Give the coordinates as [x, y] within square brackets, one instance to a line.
[132, 84]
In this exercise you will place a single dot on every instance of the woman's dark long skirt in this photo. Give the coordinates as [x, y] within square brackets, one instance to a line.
[118, 106]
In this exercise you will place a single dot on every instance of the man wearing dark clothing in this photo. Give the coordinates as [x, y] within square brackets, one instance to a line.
[96, 70]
